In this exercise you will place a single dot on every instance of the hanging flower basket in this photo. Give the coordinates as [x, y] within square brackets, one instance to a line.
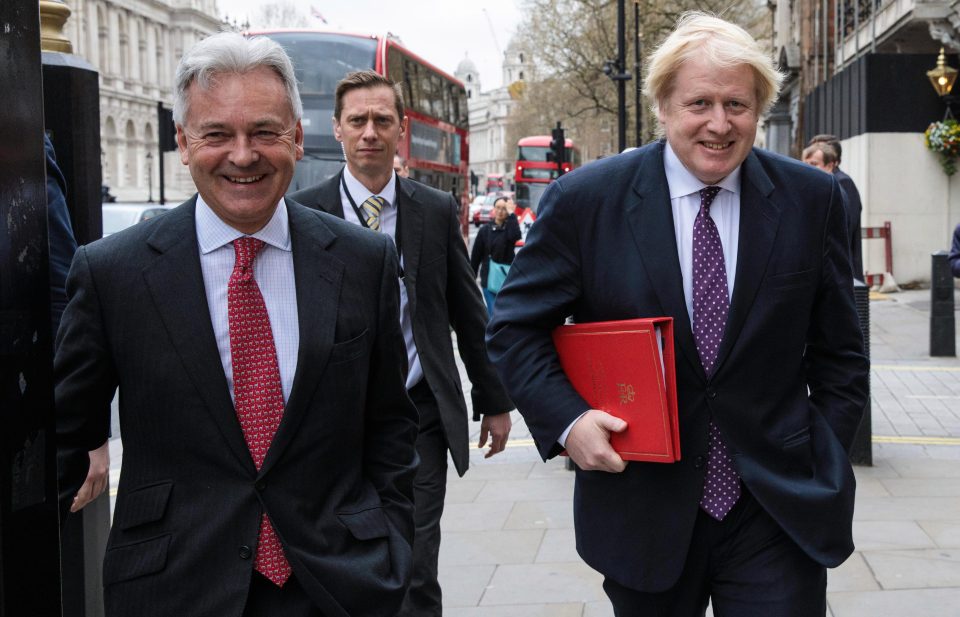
[943, 138]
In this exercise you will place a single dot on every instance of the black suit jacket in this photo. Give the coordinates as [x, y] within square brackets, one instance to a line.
[853, 209]
[337, 480]
[604, 248]
[442, 292]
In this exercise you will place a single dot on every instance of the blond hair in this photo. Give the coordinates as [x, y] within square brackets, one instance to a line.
[722, 44]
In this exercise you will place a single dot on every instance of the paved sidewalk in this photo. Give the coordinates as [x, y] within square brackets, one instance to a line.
[508, 546]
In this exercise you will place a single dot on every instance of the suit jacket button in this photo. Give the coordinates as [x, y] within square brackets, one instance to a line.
[260, 485]
[699, 462]
[711, 393]
[245, 552]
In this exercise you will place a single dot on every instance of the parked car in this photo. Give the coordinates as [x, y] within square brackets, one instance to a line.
[117, 217]
[475, 206]
[484, 213]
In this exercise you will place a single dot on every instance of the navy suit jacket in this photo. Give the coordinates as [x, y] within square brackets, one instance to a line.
[337, 481]
[604, 248]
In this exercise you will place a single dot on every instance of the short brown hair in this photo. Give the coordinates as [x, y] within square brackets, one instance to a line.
[828, 139]
[828, 149]
[366, 79]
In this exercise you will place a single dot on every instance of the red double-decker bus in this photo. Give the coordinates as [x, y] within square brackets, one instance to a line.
[534, 170]
[436, 144]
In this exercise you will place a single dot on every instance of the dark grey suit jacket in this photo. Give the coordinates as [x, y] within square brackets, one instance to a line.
[442, 292]
[337, 480]
[789, 384]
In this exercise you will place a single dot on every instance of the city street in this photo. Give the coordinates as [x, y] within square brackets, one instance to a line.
[508, 545]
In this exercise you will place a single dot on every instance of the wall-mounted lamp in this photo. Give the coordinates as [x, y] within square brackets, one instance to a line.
[942, 76]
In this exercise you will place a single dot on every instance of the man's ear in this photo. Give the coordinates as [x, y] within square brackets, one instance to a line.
[182, 145]
[336, 129]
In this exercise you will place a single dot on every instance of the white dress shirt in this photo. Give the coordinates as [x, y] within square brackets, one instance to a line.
[725, 212]
[685, 203]
[273, 271]
[388, 225]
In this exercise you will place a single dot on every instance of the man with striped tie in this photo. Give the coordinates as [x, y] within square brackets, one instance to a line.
[438, 291]
[746, 251]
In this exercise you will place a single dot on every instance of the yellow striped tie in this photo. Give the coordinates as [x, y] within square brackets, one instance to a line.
[372, 208]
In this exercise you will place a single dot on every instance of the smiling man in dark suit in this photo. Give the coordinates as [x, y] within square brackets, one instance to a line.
[745, 251]
[268, 441]
[438, 291]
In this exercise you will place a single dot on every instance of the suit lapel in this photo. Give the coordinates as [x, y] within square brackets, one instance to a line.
[326, 197]
[759, 221]
[175, 283]
[318, 276]
[651, 220]
[410, 233]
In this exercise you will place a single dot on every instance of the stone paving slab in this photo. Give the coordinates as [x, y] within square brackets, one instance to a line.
[894, 603]
[538, 583]
[915, 569]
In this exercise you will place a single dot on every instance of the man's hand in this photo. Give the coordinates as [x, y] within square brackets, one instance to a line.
[97, 480]
[588, 442]
[511, 206]
[498, 428]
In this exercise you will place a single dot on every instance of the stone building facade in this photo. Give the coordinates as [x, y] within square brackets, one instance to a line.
[135, 46]
[489, 112]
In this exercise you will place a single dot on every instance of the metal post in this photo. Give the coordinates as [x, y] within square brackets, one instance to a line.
[637, 46]
[149, 177]
[943, 340]
[29, 530]
[861, 452]
[621, 83]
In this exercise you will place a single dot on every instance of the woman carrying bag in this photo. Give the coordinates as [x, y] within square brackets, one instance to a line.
[494, 248]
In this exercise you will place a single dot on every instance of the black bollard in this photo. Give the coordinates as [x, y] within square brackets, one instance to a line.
[861, 453]
[943, 341]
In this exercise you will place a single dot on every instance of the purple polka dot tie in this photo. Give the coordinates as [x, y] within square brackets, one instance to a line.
[711, 304]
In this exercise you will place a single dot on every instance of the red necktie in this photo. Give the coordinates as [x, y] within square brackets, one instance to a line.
[258, 394]
[710, 307]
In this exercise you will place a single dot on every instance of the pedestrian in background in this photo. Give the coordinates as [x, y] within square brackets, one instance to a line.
[851, 204]
[438, 292]
[268, 440]
[954, 257]
[400, 166]
[744, 249]
[494, 248]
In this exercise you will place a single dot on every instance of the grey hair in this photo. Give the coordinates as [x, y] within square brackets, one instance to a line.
[230, 52]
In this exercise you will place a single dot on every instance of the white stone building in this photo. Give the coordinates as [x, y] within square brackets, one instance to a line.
[135, 46]
[489, 111]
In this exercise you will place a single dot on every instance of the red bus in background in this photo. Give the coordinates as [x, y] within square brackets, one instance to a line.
[494, 183]
[534, 170]
[436, 142]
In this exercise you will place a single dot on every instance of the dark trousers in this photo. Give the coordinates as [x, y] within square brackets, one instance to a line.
[424, 598]
[745, 564]
[267, 600]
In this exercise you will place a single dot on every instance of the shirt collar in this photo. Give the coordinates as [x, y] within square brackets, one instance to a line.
[213, 232]
[360, 193]
[683, 183]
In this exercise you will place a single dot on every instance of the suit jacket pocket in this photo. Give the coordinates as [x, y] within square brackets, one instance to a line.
[349, 350]
[122, 563]
[790, 280]
[366, 524]
[798, 453]
[146, 504]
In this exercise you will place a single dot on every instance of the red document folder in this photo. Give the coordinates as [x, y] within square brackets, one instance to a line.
[621, 368]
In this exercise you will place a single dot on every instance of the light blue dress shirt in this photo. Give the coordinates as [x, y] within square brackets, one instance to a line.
[388, 225]
[273, 271]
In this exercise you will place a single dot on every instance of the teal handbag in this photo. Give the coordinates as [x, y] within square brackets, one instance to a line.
[496, 274]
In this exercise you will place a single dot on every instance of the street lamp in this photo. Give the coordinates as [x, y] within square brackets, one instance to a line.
[942, 78]
[149, 177]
